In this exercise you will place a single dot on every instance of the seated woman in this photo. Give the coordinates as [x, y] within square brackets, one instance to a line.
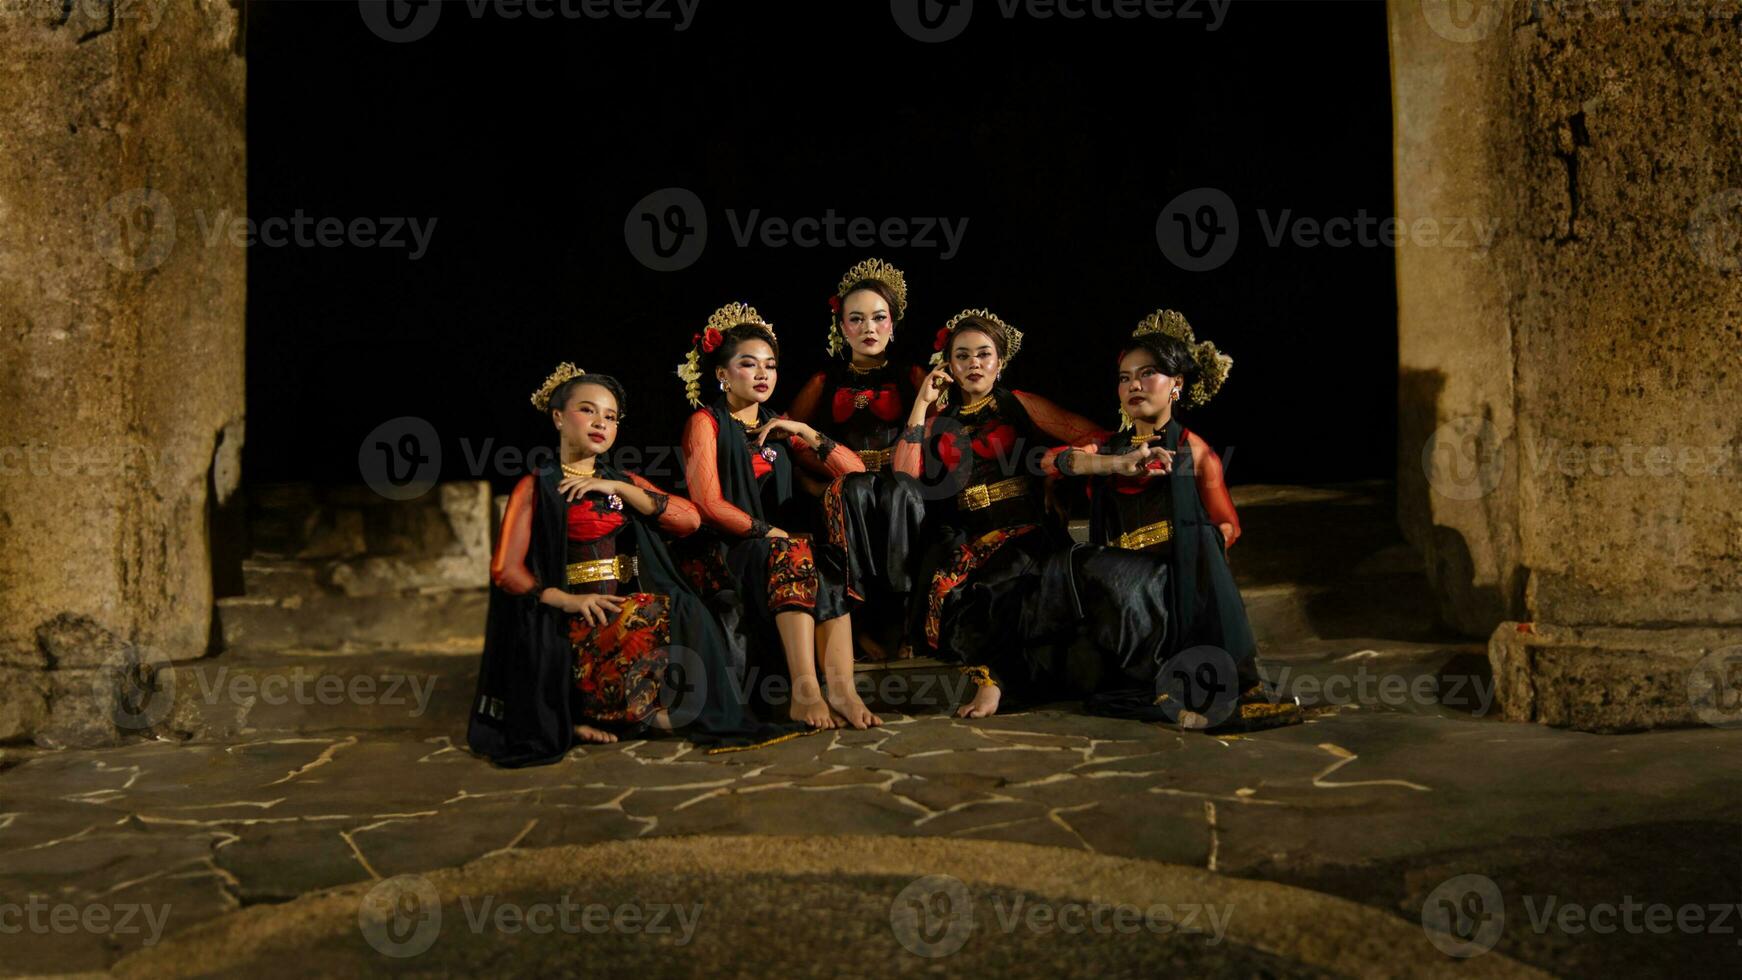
[592, 633]
[859, 400]
[991, 593]
[738, 467]
[1158, 498]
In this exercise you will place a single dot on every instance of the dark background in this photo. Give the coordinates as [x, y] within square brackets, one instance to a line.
[1060, 141]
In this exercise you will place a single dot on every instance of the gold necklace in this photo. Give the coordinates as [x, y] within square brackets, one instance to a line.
[976, 406]
[856, 369]
[583, 468]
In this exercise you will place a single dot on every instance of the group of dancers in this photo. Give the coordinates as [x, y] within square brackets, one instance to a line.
[928, 499]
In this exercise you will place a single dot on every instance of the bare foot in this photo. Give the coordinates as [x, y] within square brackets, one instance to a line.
[847, 703]
[587, 733]
[874, 652]
[809, 707]
[984, 705]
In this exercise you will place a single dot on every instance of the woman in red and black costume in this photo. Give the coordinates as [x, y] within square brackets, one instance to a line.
[738, 466]
[990, 587]
[861, 400]
[1161, 510]
[592, 632]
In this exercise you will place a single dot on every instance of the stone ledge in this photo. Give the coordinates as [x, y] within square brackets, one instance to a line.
[1615, 679]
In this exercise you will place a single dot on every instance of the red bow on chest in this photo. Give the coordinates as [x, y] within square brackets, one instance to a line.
[588, 521]
[991, 444]
[883, 402]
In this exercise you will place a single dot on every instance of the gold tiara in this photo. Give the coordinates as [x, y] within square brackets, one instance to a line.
[1011, 336]
[566, 371]
[724, 318]
[1213, 365]
[732, 314]
[871, 269]
[877, 270]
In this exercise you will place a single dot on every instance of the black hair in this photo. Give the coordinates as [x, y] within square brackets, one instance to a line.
[737, 336]
[559, 399]
[1172, 357]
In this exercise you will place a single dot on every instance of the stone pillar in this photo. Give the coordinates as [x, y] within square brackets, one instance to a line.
[1569, 380]
[122, 317]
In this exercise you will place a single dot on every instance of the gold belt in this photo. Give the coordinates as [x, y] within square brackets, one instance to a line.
[983, 495]
[615, 569]
[876, 459]
[1146, 535]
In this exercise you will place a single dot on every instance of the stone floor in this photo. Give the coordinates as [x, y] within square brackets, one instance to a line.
[247, 851]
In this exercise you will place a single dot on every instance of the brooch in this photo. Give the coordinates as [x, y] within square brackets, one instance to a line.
[768, 453]
[613, 501]
[861, 398]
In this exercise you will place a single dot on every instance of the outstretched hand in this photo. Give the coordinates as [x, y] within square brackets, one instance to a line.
[1144, 462]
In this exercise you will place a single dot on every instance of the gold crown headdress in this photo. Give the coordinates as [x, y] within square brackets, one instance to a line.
[1011, 336]
[566, 371]
[1213, 365]
[708, 340]
[871, 269]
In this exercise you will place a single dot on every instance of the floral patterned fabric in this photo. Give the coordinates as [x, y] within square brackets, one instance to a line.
[620, 666]
[792, 575]
[967, 558]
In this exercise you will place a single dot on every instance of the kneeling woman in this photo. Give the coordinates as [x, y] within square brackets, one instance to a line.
[738, 457]
[1157, 491]
[993, 590]
[588, 612]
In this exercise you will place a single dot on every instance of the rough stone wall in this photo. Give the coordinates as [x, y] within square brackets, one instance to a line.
[1574, 387]
[121, 386]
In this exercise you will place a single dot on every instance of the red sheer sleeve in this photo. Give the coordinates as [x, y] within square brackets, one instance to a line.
[680, 519]
[804, 406]
[701, 468]
[1060, 424]
[508, 566]
[909, 455]
[1211, 490]
[839, 462]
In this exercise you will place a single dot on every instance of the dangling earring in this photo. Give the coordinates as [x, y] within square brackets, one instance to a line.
[1124, 419]
[1176, 394]
[722, 384]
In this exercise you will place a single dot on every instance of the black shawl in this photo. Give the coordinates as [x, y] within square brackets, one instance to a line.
[522, 715]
